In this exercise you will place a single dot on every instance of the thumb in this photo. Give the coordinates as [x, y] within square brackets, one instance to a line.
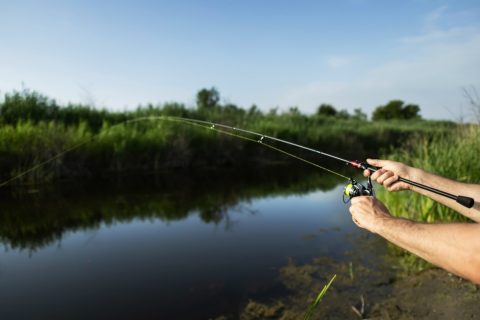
[377, 162]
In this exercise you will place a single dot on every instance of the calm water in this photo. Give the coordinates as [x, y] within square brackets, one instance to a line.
[173, 246]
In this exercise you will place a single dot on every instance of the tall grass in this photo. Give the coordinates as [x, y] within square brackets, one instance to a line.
[34, 128]
[151, 146]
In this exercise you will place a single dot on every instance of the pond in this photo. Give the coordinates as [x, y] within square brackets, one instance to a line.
[181, 245]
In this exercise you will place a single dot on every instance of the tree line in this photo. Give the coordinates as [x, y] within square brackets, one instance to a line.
[35, 107]
[208, 99]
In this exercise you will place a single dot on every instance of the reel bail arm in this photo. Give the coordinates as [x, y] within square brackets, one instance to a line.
[356, 189]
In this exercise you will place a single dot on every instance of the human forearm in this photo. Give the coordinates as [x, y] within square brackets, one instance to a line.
[448, 185]
[454, 247]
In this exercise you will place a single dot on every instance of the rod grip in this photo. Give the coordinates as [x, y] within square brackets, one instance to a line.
[372, 168]
[465, 201]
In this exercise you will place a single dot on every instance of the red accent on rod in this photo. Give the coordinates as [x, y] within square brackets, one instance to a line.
[355, 164]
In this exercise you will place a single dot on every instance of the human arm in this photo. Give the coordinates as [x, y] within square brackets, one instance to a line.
[452, 246]
[390, 172]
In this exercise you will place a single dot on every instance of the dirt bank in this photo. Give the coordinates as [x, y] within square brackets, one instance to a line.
[368, 293]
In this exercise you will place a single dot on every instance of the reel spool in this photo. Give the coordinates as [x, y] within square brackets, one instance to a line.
[355, 189]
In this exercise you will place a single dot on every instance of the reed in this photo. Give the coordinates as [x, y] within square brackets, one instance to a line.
[318, 299]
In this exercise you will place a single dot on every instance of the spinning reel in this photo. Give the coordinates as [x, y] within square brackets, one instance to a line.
[355, 189]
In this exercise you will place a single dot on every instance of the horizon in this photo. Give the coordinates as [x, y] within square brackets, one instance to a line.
[353, 54]
[159, 106]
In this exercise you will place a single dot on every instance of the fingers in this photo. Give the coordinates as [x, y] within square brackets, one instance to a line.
[358, 206]
[378, 173]
[389, 182]
[367, 212]
[387, 175]
[356, 221]
[359, 200]
[366, 173]
[377, 162]
[353, 209]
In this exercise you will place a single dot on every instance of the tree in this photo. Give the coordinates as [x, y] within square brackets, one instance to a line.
[326, 110]
[343, 114]
[294, 111]
[273, 112]
[28, 105]
[396, 109]
[254, 111]
[358, 114]
[410, 111]
[207, 99]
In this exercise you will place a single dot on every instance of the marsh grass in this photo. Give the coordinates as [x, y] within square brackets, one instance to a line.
[34, 128]
[150, 146]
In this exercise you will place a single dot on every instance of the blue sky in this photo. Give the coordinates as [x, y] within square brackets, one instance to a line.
[355, 53]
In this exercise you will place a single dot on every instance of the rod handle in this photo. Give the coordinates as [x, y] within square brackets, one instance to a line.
[464, 201]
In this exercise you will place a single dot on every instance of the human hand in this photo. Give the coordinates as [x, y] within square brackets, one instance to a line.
[368, 213]
[389, 173]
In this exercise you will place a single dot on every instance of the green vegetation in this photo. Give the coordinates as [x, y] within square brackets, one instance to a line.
[327, 110]
[396, 109]
[34, 128]
[454, 156]
[319, 298]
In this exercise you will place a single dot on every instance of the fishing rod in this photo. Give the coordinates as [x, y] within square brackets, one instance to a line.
[353, 189]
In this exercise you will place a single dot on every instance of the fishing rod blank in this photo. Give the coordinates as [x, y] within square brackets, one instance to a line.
[263, 136]
[464, 201]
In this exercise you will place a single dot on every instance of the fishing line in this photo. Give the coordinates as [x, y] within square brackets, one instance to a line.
[273, 148]
[352, 190]
[192, 122]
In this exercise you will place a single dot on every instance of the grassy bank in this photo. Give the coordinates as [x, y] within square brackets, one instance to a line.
[34, 129]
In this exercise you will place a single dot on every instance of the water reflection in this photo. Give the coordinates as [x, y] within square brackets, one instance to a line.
[33, 218]
[205, 245]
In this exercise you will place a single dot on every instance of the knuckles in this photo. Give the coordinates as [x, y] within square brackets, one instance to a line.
[362, 200]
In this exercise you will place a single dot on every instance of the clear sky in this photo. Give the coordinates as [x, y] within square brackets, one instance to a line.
[352, 53]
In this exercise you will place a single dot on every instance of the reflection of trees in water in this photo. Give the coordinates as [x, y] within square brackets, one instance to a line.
[30, 221]
[222, 214]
